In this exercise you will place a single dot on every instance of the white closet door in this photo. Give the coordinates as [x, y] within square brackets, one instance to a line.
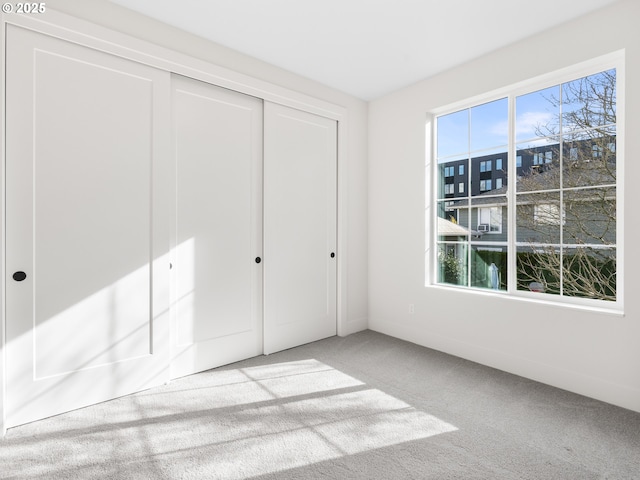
[218, 236]
[300, 169]
[87, 238]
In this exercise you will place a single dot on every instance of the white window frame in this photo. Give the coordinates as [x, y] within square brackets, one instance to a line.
[600, 64]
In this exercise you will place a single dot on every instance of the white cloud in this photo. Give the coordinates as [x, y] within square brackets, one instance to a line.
[528, 122]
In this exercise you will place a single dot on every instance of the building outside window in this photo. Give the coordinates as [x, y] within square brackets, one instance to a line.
[555, 231]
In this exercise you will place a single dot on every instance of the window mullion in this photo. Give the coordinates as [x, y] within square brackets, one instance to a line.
[511, 199]
[469, 193]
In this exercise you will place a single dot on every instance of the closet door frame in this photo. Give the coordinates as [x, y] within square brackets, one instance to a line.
[72, 29]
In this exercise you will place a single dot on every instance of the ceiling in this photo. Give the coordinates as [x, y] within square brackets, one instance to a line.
[366, 48]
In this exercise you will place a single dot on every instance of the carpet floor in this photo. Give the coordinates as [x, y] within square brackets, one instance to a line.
[366, 406]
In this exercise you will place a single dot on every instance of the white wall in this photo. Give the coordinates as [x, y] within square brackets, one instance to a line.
[595, 354]
[117, 18]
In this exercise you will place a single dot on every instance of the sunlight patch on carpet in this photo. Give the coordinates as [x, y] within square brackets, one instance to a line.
[314, 413]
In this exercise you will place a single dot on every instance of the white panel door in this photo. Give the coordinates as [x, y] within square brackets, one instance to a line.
[300, 170]
[87, 236]
[217, 283]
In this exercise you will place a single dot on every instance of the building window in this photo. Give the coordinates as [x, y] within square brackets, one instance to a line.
[448, 171]
[573, 154]
[490, 219]
[461, 169]
[461, 187]
[559, 234]
[597, 151]
[449, 189]
[548, 214]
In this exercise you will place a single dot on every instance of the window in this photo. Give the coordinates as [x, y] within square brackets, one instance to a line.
[597, 151]
[491, 217]
[547, 214]
[555, 232]
[448, 171]
[461, 169]
[573, 154]
[449, 189]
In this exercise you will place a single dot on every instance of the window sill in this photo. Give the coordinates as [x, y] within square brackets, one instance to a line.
[535, 298]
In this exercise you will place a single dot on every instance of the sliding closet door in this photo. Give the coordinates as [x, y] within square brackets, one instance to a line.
[217, 278]
[87, 238]
[300, 165]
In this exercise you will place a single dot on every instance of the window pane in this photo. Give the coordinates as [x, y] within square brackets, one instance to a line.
[538, 218]
[538, 114]
[452, 263]
[489, 125]
[589, 273]
[453, 221]
[453, 133]
[489, 267]
[540, 165]
[590, 158]
[590, 216]
[538, 269]
[589, 102]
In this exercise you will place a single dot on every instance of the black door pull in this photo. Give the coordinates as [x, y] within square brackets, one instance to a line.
[333, 255]
[258, 259]
[19, 276]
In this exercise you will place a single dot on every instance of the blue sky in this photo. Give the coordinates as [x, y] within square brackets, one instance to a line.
[485, 127]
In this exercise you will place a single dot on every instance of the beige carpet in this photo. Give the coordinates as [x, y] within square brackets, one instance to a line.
[365, 407]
